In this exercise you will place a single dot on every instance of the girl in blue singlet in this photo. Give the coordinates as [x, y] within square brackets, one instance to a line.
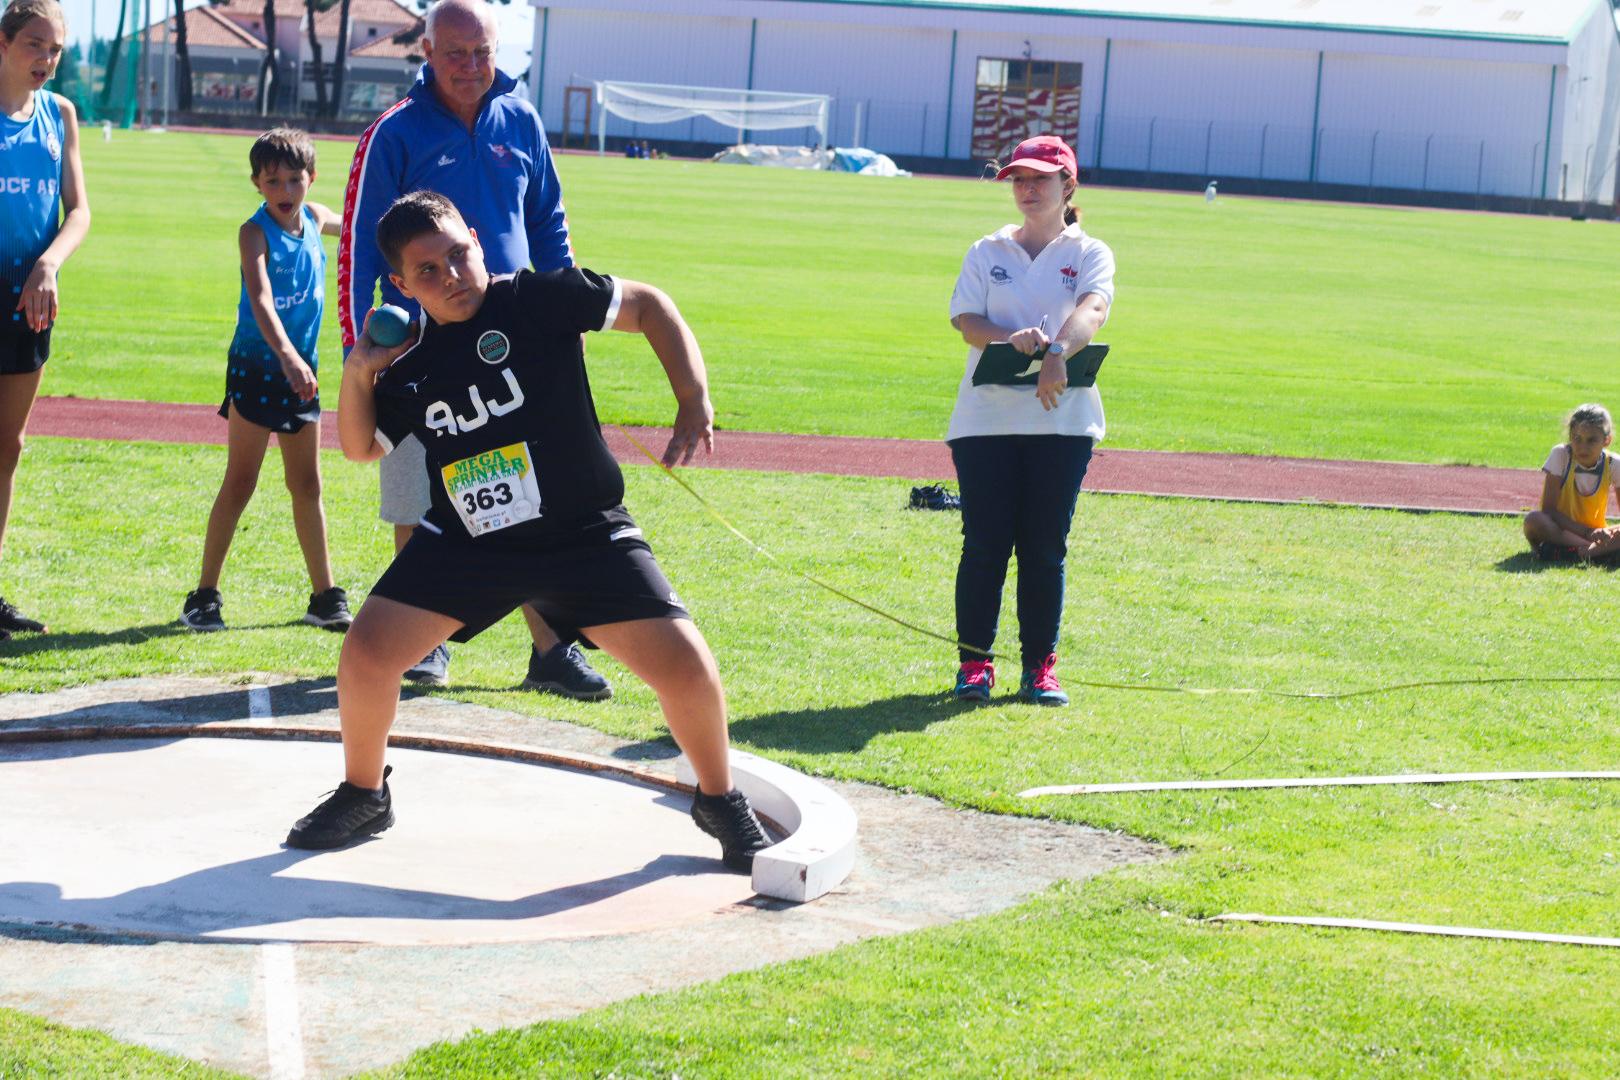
[1572, 524]
[43, 217]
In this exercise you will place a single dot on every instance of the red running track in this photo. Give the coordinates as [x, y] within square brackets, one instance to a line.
[1466, 488]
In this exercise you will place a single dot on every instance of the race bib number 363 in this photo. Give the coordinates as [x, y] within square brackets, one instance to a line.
[494, 489]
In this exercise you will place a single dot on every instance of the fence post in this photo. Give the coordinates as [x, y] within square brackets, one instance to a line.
[1372, 165]
[922, 147]
[1426, 143]
[1151, 122]
[1262, 170]
[1208, 135]
[1479, 173]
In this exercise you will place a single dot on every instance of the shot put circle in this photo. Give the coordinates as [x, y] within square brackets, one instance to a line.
[181, 838]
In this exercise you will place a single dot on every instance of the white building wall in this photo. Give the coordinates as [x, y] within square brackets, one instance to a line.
[1445, 125]
[1585, 153]
[1395, 110]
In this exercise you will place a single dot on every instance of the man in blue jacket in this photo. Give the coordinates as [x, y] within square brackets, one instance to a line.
[466, 131]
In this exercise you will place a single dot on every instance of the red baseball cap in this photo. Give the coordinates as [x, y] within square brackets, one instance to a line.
[1043, 153]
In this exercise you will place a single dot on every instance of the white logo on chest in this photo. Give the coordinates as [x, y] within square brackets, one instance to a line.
[442, 419]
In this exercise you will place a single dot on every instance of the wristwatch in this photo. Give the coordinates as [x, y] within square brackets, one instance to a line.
[1053, 350]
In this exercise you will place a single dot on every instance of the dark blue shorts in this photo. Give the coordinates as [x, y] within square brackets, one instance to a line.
[265, 398]
[601, 580]
[22, 350]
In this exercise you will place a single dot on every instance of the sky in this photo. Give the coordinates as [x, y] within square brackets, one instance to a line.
[516, 21]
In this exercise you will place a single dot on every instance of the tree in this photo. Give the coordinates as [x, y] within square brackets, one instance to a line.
[182, 57]
[312, 8]
[270, 70]
[341, 68]
[112, 58]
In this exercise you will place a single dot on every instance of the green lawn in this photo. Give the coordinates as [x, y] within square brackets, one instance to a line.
[1111, 978]
[1249, 326]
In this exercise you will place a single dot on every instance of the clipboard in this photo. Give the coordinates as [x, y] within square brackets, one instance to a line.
[1002, 365]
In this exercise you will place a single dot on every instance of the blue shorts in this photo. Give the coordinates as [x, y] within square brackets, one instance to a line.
[265, 398]
[22, 350]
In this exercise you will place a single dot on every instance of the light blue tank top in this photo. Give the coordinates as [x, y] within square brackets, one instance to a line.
[297, 266]
[30, 193]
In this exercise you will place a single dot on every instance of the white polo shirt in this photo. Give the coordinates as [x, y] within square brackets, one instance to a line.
[1002, 283]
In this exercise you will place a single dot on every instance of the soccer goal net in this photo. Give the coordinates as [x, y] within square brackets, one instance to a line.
[743, 110]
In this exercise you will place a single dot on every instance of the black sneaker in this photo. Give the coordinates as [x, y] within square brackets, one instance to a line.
[329, 610]
[564, 670]
[348, 814]
[1556, 553]
[729, 819]
[201, 611]
[433, 669]
[934, 497]
[13, 621]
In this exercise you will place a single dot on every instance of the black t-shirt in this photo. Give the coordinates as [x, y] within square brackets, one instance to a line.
[503, 407]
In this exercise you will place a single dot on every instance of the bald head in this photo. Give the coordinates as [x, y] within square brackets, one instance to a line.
[465, 16]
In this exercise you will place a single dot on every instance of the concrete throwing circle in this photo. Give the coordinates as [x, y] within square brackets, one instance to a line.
[182, 838]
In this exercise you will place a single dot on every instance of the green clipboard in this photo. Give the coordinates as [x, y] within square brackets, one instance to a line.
[1002, 365]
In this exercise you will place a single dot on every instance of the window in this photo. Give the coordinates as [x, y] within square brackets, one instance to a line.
[1016, 99]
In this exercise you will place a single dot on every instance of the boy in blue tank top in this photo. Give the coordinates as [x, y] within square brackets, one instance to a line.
[270, 382]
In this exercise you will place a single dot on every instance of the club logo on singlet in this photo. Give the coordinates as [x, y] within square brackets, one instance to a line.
[493, 347]
[998, 276]
[442, 419]
[53, 146]
[1071, 277]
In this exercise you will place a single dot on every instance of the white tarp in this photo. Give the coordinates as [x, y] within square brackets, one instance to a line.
[835, 159]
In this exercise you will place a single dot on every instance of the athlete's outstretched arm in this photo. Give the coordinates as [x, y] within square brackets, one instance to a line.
[646, 310]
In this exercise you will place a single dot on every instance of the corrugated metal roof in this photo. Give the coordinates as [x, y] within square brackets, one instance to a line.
[1507, 20]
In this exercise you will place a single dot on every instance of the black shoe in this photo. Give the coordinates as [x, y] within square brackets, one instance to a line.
[348, 814]
[13, 621]
[433, 669]
[934, 497]
[729, 819]
[563, 669]
[1556, 553]
[201, 610]
[329, 610]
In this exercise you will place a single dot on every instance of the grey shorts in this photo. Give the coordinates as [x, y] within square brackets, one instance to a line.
[403, 482]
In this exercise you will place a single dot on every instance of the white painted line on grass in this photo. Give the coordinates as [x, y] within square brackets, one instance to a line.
[1314, 781]
[284, 1036]
[1421, 928]
[258, 703]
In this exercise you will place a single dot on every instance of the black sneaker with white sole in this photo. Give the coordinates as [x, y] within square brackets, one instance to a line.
[564, 670]
[201, 610]
[729, 819]
[433, 669]
[348, 814]
[329, 610]
[13, 621]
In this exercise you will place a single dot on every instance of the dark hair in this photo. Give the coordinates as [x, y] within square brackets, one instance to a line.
[282, 146]
[20, 12]
[413, 215]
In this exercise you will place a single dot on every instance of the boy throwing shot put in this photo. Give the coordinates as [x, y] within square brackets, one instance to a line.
[526, 503]
[270, 380]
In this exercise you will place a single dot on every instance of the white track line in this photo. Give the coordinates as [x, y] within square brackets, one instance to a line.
[1420, 928]
[258, 703]
[1315, 781]
[284, 1036]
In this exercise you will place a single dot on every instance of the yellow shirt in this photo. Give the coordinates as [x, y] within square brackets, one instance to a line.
[1575, 504]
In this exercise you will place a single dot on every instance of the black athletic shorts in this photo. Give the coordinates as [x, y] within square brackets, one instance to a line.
[600, 580]
[22, 350]
[265, 398]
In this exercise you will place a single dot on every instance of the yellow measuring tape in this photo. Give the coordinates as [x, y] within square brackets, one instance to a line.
[1138, 687]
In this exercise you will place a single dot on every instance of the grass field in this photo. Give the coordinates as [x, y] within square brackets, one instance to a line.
[1116, 977]
[1249, 326]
